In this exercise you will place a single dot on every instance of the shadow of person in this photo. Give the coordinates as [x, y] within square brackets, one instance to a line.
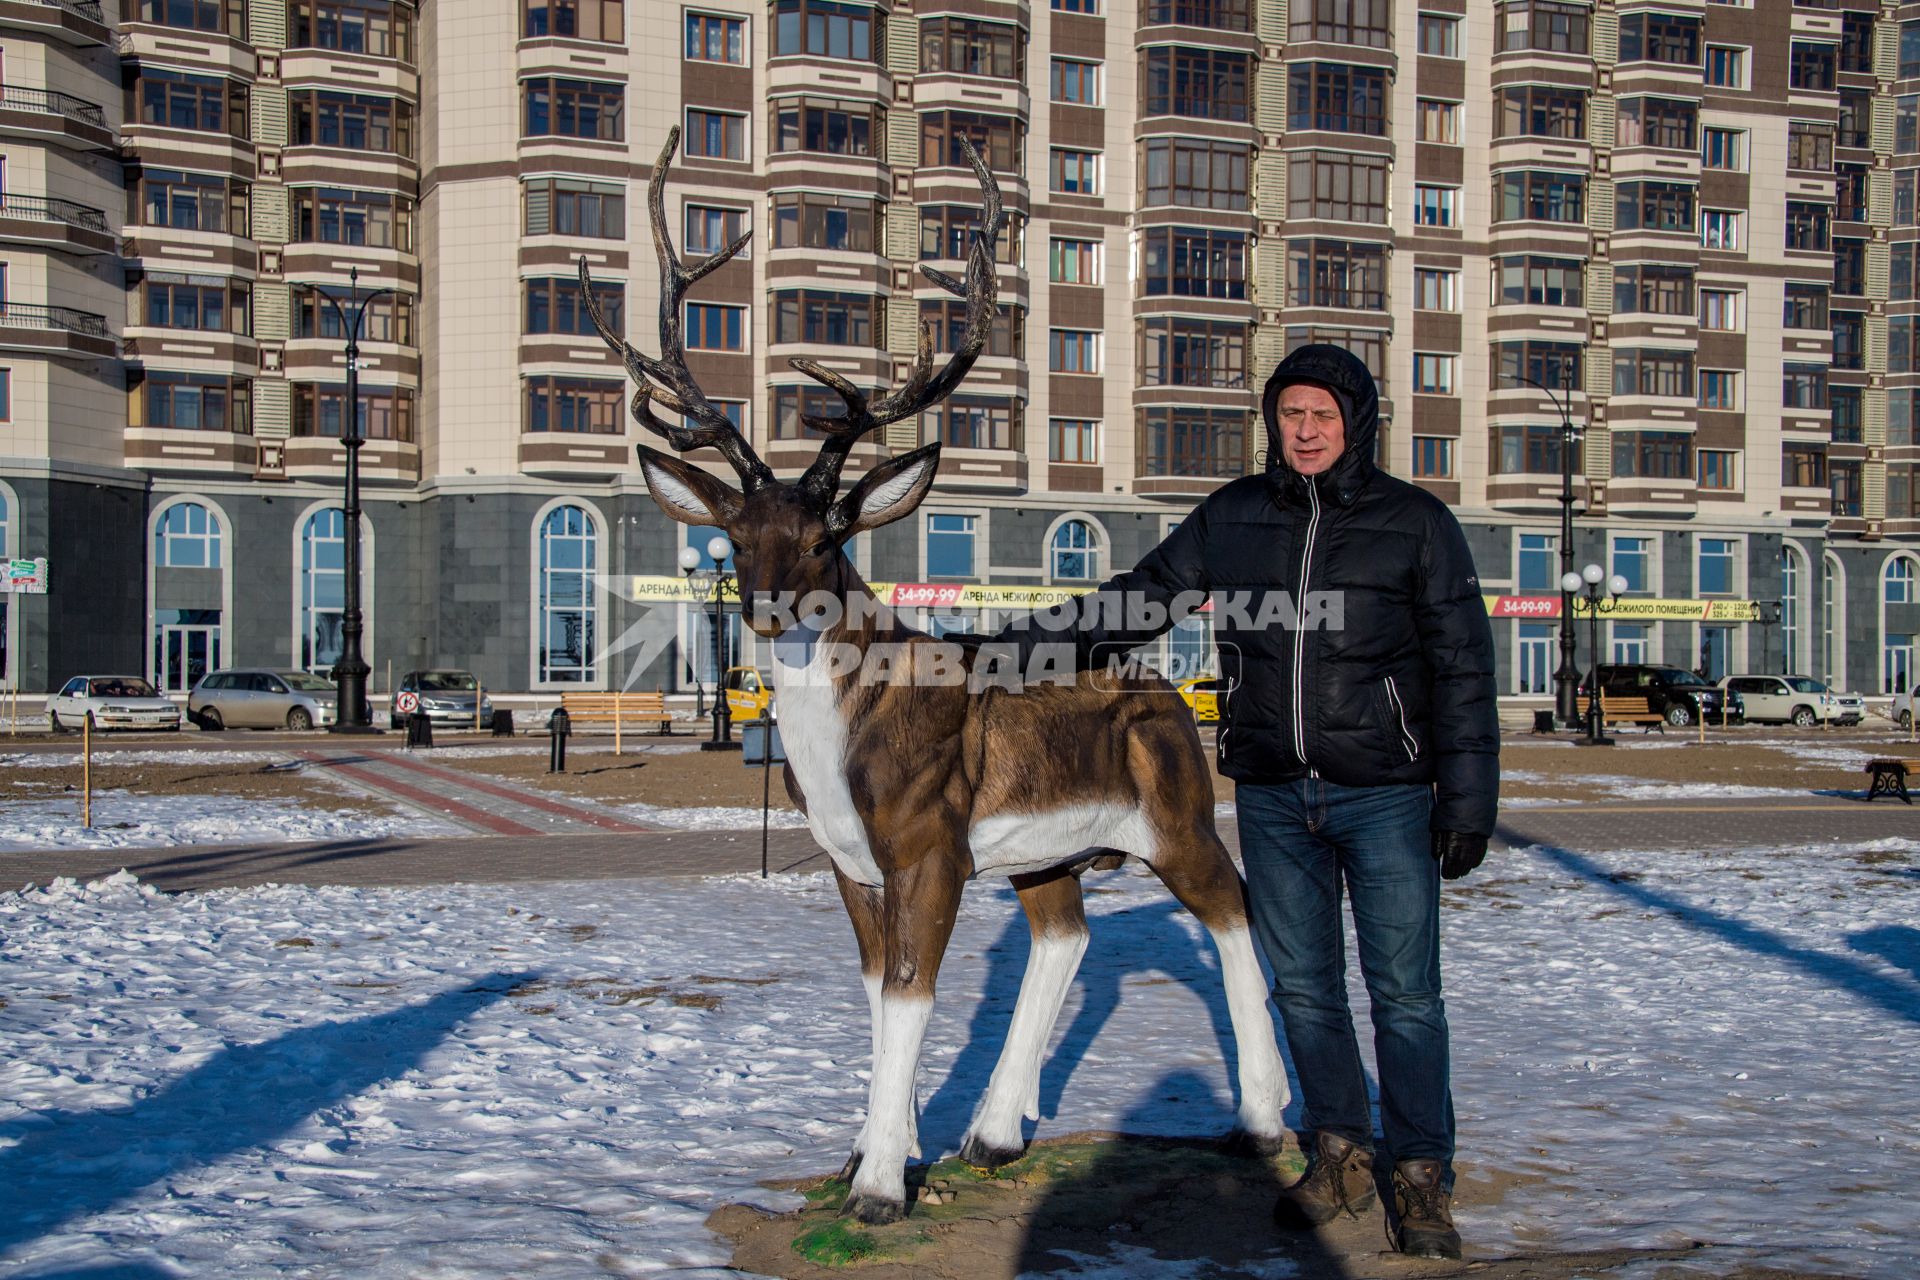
[67, 1165]
[1138, 1201]
[111, 1271]
[1897, 944]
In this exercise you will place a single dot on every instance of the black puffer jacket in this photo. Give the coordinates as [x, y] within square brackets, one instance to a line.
[1402, 691]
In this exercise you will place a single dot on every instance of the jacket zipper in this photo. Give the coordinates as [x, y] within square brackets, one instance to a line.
[1400, 710]
[1299, 631]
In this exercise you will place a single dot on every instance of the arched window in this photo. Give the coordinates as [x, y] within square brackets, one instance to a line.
[1793, 585]
[1897, 585]
[1833, 608]
[323, 587]
[1074, 551]
[186, 537]
[1897, 579]
[569, 550]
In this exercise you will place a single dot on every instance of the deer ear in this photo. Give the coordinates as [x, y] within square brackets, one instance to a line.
[886, 493]
[687, 493]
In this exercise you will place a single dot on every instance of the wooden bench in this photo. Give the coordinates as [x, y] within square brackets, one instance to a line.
[1889, 779]
[1630, 710]
[619, 710]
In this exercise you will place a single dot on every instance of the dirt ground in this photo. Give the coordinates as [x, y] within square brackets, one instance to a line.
[250, 779]
[1090, 1198]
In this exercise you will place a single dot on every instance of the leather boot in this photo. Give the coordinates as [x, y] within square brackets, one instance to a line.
[1423, 1211]
[1339, 1178]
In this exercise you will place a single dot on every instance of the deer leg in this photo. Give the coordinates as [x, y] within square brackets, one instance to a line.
[863, 904]
[1196, 870]
[921, 901]
[1058, 921]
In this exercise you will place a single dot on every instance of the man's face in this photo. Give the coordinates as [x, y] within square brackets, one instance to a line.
[1312, 432]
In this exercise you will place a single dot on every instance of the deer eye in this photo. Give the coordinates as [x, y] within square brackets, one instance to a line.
[821, 547]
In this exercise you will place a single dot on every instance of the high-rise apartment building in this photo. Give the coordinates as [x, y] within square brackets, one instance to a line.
[1691, 223]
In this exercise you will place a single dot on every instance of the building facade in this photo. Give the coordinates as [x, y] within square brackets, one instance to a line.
[1694, 224]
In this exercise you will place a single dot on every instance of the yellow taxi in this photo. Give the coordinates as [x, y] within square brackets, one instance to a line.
[749, 696]
[1202, 693]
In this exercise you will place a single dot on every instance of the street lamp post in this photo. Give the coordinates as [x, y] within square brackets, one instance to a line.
[1566, 694]
[1767, 615]
[710, 585]
[1587, 583]
[351, 670]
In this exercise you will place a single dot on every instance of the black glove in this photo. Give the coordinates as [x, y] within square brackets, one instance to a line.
[1458, 852]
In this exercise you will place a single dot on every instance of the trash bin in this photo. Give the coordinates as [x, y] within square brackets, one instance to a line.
[559, 725]
[502, 723]
[419, 731]
[1543, 722]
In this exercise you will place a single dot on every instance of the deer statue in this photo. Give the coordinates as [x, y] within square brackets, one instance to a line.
[914, 786]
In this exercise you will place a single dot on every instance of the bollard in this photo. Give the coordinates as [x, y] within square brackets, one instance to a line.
[559, 725]
[502, 723]
[419, 731]
[86, 772]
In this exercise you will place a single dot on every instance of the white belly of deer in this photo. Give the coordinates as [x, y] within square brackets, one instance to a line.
[814, 734]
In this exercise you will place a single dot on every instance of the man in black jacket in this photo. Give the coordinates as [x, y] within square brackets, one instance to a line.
[1359, 724]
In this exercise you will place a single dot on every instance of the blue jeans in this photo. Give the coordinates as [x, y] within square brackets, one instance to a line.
[1301, 841]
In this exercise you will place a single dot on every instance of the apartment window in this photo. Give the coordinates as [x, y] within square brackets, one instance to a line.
[947, 317]
[1660, 37]
[1723, 149]
[811, 220]
[972, 47]
[388, 319]
[1000, 140]
[1338, 185]
[1906, 124]
[1722, 229]
[556, 305]
[1435, 206]
[1336, 273]
[1850, 192]
[1653, 455]
[1179, 352]
[1719, 389]
[1073, 350]
[589, 406]
[1654, 206]
[1909, 50]
[1856, 43]
[1210, 443]
[1439, 121]
[1642, 371]
[1221, 15]
[1806, 306]
[1809, 66]
[827, 318]
[1717, 468]
[600, 20]
[355, 121]
[1337, 97]
[1726, 66]
[1723, 310]
[211, 304]
[1633, 560]
[385, 413]
[1900, 271]
[1369, 345]
[1196, 174]
[793, 405]
[825, 29]
[1433, 457]
[1804, 386]
[192, 202]
[1074, 81]
[947, 231]
[1368, 23]
[1537, 195]
[1435, 375]
[1715, 566]
[950, 545]
[716, 37]
[1856, 118]
[970, 422]
[1209, 83]
[1073, 440]
[712, 327]
[1810, 146]
[827, 126]
[1073, 261]
[1439, 35]
[339, 215]
[711, 228]
[577, 207]
[1849, 266]
[1073, 173]
[204, 104]
[1843, 415]
[716, 135]
[227, 16]
[1657, 122]
[1804, 466]
[1193, 262]
[1850, 342]
[1435, 289]
[1547, 26]
[1653, 289]
[1077, 6]
[575, 109]
[374, 27]
[1543, 111]
[1532, 451]
[1899, 342]
[1844, 478]
[1531, 280]
[1551, 364]
[191, 402]
[1808, 224]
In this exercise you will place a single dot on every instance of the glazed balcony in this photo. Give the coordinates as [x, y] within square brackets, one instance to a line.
[47, 115]
[80, 23]
[55, 331]
[51, 223]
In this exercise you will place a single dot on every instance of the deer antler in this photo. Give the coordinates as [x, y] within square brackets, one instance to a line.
[923, 387]
[666, 380]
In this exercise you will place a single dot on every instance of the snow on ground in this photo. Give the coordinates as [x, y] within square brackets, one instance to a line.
[123, 820]
[552, 1080]
[708, 818]
[188, 756]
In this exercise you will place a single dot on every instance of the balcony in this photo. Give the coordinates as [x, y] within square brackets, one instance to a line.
[80, 23]
[55, 331]
[53, 223]
[47, 115]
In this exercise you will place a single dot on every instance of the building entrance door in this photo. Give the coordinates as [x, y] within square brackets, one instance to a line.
[185, 654]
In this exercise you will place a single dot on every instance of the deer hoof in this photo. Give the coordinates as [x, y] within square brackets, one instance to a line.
[851, 1167]
[1260, 1146]
[872, 1210]
[981, 1156]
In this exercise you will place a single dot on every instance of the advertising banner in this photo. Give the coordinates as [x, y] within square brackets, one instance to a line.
[1628, 609]
[24, 577]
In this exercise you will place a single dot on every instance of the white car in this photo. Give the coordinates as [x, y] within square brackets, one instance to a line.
[111, 702]
[1795, 700]
[1902, 710]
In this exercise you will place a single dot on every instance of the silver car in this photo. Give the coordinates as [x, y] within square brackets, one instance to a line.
[258, 698]
[111, 702]
[445, 696]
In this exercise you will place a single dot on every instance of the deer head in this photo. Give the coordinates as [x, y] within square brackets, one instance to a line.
[787, 536]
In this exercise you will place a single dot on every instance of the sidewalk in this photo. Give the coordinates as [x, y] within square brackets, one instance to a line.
[485, 806]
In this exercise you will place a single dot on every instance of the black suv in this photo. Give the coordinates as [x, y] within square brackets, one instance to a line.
[1672, 692]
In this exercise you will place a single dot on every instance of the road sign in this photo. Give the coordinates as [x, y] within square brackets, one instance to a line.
[408, 703]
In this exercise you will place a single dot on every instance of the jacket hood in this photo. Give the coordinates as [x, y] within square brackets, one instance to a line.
[1346, 376]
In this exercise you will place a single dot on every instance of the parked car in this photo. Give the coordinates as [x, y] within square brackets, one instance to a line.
[748, 693]
[259, 698]
[1202, 693]
[1797, 700]
[1674, 693]
[111, 702]
[446, 696]
[1902, 710]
